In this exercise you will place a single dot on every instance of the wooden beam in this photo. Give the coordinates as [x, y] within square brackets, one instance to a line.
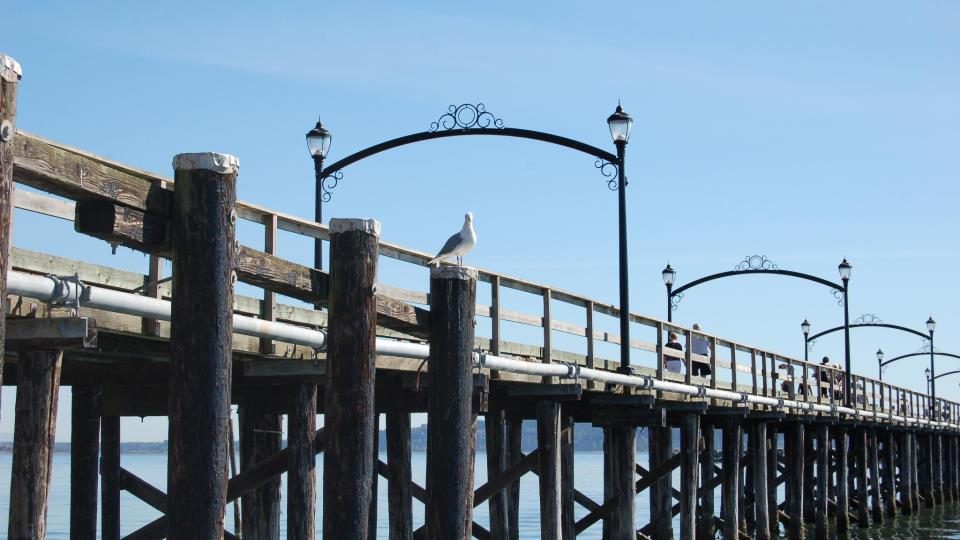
[56, 333]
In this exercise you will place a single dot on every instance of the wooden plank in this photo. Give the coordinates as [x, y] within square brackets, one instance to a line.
[79, 175]
[43, 204]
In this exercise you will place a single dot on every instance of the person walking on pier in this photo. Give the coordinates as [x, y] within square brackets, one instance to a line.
[673, 363]
[702, 347]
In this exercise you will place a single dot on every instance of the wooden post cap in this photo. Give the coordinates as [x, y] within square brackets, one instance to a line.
[207, 161]
[9, 69]
[342, 225]
[453, 272]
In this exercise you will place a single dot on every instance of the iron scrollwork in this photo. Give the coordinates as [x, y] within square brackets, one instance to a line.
[755, 262]
[868, 318]
[838, 294]
[466, 116]
[810, 345]
[675, 301]
[328, 182]
[610, 171]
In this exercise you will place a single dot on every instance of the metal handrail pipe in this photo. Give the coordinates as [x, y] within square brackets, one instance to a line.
[67, 291]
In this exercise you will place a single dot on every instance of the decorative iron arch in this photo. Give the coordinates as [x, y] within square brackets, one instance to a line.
[927, 354]
[752, 264]
[467, 120]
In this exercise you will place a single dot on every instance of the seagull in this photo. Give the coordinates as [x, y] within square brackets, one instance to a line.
[458, 244]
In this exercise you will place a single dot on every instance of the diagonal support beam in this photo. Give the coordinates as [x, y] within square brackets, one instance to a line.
[237, 487]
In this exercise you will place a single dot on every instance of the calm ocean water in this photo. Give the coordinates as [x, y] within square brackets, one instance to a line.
[942, 522]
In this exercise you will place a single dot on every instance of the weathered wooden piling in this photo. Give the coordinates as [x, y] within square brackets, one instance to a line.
[888, 473]
[260, 438]
[623, 447]
[730, 483]
[924, 464]
[758, 450]
[35, 423]
[822, 475]
[906, 488]
[795, 476]
[705, 526]
[660, 450]
[567, 476]
[110, 478]
[842, 441]
[399, 497]
[548, 445]
[514, 455]
[84, 460]
[773, 469]
[873, 456]
[809, 476]
[936, 469]
[10, 74]
[301, 468]
[495, 427]
[348, 465]
[689, 452]
[203, 231]
[860, 470]
[451, 419]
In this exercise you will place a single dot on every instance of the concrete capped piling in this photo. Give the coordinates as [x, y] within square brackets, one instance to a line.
[348, 465]
[203, 233]
[451, 420]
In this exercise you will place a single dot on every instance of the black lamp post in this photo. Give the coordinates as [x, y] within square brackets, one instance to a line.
[931, 325]
[844, 268]
[926, 371]
[805, 326]
[318, 142]
[620, 124]
[880, 363]
[669, 276]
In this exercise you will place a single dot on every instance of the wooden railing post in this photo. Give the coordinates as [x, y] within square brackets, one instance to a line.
[450, 415]
[204, 223]
[9, 81]
[84, 451]
[348, 466]
[35, 423]
[261, 433]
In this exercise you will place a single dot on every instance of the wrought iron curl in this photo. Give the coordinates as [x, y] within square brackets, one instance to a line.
[755, 262]
[838, 294]
[675, 301]
[868, 318]
[328, 183]
[610, 171]
[466, 116]
[810, 345]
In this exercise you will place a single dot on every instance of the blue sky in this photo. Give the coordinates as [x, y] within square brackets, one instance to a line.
[803, 131]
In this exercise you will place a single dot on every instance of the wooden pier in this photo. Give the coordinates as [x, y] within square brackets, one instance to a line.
[379, 349]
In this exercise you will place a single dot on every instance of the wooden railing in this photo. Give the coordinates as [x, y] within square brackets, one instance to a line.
[80, 176]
